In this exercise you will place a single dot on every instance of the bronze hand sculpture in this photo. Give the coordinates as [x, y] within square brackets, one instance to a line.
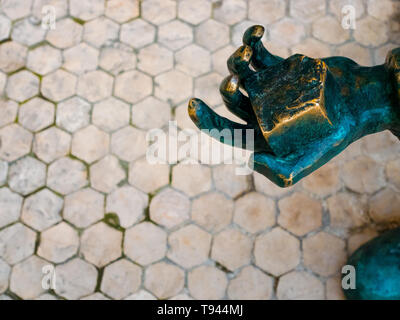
[303, 111]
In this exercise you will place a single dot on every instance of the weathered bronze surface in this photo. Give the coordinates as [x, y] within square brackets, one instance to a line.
[303, 111]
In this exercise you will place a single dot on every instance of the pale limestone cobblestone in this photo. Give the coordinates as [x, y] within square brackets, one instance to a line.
[77, 192]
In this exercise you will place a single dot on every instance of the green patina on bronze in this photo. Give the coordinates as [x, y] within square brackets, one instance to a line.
[377, 269]
[303, 111]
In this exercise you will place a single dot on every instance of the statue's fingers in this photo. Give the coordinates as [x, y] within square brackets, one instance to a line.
[239, 62]
[223, 129]
[261, 57]
[235, 101]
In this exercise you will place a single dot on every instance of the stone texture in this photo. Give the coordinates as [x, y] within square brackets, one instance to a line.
[191, 179]
[145, 243]
[8, 111]
[328, 29]
[36, 114]
[307, 10]
[312, 48]
[106, 174]
[58, 85]
[266, 12]
[231, 11]
[228, 182]
[324, 181]
[298, 285]
[5, 271]
[15, 142]
[117, 58]
[22, 85]
[250, 284]
[100, 32]
[137, 33]
[206, 88]
[206, 35]
[169, 208]
[194, 11]
[26, 278]
[207, 283]
[80, 59]
[150, 113]
[51, 144]
[128, 143]
[393, 172]
[132, 86]
[300, 214]
[128, 204]
[17, 242]
[193, 60]
[58, 243]
[27, 175]
[213, 218]
[189, 246]
[324, 253]
[73, 114]
[67, 34]
[90, 144]
[101, 244]
[232, 249]
[28, 33]
[86, 10]
[277, 252]
[12, 56]
[94, 93]
[155, 59]
[356, 52]
[371, 32]
[158, 11]
[75, 279]
[84, 207]
[384, 207]
[173, 86]
[288, 32]
[44, 59]
[42, 210]
[66, 175]
[120, 279]
[164, 280]
[359, 238]
[10, 206]
[122, 10]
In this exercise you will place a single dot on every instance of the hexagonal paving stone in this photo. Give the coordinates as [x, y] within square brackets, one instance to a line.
[68, 33]
[393, 172]
[51, 144]
[17, 243]
[15, 142]
[86, 10]
[329, 29]
[129, 143]
[84, 207]
[75, 279]
[213, 211]
[173, 86]
[347, 210]
[80, 59]
[12, 56]
[5, 28]
[128, 203]
[73, 114]
[220, 57]
[300, 214]
[158, 11]
[106, 174]
[110, 114]
[206, 84]
[150, 113]
[28, 33]
[117, 59]
[300, 286]
[66, 175]
[312, 48]
[122, 10]
[251, 284]
[90, 144]
[382, 10]
[194, 11]
[324, 253]
[148, 177]
[175, 35]
[26, 278]
[266, 12]
[36, 114]
[22, 85]
[169, 208]
[42, 210]
[100, 32]
[232, 249]
[207, 283]
[10, 207]
[155, 59]
[227, 181]
[231, 11]
[384, 206]
[3, 172]
[164, 280]
[307, 10]
[254, 212]
[95, 85]
[371, 32]
[26, 175]
[58, 243]
[191, 179]
[357, 239]
[189, 246]
[58, 85]
[363, 175]
[5, 271]
[8, 111]
[133, 86]
[60, 6]
[336, 6]
[44, 59]
[16, 9]
[120, 279]
[323, 181]
[277, 252]
[101, 244]
[193, 60]
[145, 243]
[137, 33]
[212, 34]
[287, 32]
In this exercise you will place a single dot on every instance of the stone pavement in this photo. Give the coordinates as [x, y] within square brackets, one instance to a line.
[78, 197]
